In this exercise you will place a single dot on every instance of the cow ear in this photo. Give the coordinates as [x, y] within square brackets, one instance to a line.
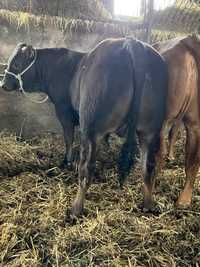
[28, 51]
[21, 45]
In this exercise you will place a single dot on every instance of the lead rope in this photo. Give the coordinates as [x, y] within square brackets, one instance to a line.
[21, 89]
[27, 94]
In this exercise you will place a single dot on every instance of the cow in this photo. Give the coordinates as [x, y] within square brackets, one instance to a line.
[121, 84]
[48, 70]
[183, 105]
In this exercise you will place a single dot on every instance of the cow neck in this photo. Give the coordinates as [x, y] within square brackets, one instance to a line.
[55, 70]
[41, 71]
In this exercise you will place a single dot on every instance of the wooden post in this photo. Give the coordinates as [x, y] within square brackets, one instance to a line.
[143, 8]
[148, 19]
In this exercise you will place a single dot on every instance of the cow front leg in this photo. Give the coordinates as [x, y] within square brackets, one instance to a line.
[69, 139]
[65, 117]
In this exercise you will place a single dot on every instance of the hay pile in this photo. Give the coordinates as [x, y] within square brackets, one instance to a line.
[35, 197]
[26, 21]
[65, 8]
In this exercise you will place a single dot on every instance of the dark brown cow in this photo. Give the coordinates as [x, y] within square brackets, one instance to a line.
[121, 82]
[183, 104]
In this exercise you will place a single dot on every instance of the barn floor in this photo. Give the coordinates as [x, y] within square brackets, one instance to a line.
[35, 198]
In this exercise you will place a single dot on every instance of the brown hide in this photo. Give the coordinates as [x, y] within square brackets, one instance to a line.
[183, 102]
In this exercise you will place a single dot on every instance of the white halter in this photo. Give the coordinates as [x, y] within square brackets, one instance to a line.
[19, 78]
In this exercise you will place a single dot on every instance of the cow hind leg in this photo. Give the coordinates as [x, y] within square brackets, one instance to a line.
[86, 169]
[149, 150]
[192, 161]
[161, 153]
[172, 137]
[163, 148]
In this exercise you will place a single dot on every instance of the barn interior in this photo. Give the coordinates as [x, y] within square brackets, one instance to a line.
[35, 195]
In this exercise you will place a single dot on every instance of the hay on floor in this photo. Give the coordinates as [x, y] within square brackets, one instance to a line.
[35, 197]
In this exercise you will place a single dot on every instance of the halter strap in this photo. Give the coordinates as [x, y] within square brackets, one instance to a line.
[19, 78]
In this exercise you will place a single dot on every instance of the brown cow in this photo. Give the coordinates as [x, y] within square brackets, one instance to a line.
[183, 103]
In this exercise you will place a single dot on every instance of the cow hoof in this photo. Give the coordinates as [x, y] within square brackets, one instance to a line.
[121, 183]
[63, 165]
[69, 166]
[121, 187]
[183, 205]
[153, 208]
[66, 165]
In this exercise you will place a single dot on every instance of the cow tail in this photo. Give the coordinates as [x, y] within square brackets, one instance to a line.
[129, 149]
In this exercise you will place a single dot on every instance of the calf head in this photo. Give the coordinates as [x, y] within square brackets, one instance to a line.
[20, 69]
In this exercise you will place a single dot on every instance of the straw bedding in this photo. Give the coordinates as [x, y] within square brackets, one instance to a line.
[35, 198]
